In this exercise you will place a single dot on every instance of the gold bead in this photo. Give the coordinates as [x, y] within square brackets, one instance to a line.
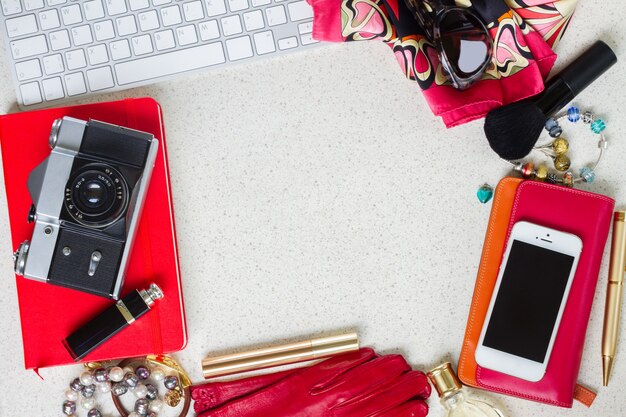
[541, 172]
[92, 366]
[173, 397]
[560, 146]
[562, 163]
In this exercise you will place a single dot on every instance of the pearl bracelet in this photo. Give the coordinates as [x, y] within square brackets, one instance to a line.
[557, 150]
[118, 380]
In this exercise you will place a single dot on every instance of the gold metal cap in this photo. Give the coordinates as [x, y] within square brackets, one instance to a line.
[619, 216]
[444, 379]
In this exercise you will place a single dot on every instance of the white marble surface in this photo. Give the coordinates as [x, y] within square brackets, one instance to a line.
[316, 193]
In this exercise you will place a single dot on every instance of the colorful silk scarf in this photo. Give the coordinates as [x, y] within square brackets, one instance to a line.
[524, 34]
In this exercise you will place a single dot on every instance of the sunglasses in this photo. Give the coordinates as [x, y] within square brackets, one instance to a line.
[462, 40]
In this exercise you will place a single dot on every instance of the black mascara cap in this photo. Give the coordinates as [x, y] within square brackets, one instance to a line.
[584, 70]
[588, 67]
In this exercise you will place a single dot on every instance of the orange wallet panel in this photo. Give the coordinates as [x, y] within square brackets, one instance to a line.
[493, 248]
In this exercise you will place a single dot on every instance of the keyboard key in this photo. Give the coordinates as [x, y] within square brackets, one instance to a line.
[49, 19]
[30, 93]
[170, 63]
[215, 7]
[276, 15]
[126, 25]
[100, 78]
[209, 30]
[120, 49]
[52, 89]
[33, 4]
[27, 70]
[231, 25]
[300, 10]
[186, 35]
[253, 20]
[193, 11]
[148, 20]
[305, 28]
[104, 30]
[160, 2]
[239, 48]
[93, 10]
[56, 2]
[288, 43]
[75, 84]
[264, 42]
[307, 39]
[71, 15]
[75, 59]
[236, 5]
[20, 26]
[97, 54]
[171, 16]
[53, 64]
[115, 6]
[139, 4]
[82, 35]
[142, 45]
[164, 40]
[11, 7]
[59, 40]
[27, 47]
[257, 3]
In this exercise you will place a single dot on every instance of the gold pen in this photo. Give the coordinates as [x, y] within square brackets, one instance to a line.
[617, 267]
[279, 355]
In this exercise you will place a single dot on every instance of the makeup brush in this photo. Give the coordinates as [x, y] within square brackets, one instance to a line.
[513, 130]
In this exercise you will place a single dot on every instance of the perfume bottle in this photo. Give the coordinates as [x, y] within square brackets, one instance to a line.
[111, 321]
[454, 398]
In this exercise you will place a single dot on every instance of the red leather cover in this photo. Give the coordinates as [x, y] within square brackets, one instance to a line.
[588, 216]
[50, 313]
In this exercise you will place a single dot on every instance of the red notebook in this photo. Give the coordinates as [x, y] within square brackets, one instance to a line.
[50, 313]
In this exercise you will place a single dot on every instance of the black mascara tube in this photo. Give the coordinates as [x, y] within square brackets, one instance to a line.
[111, 321]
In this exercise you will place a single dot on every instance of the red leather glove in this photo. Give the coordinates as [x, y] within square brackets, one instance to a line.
[356, 384]
[214, 394]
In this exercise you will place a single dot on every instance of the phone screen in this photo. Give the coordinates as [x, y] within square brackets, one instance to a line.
[528, 301]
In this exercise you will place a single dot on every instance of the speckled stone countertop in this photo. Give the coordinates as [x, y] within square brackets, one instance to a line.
[316, 193]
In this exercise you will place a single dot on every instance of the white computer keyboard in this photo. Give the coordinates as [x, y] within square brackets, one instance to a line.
[63, 49]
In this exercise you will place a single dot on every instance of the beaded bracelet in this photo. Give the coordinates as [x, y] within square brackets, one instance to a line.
[557, 150]
[118, 380]
[177, 388]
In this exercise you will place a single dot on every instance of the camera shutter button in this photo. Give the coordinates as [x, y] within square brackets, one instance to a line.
[94, 262]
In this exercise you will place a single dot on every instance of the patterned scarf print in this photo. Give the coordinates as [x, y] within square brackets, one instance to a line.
[550, 19]
[371, 19]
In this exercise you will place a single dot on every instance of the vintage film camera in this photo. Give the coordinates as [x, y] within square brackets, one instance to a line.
[87, 200]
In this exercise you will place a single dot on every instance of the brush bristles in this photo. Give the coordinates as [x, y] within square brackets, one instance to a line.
[513, 130]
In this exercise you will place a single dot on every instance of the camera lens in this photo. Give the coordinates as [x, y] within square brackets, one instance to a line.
[93, 193]
[96, 195]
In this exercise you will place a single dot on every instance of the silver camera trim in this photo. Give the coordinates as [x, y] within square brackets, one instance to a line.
[51, 175]
[137, 200]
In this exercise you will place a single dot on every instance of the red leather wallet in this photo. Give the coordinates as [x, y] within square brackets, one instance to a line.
[588, 216]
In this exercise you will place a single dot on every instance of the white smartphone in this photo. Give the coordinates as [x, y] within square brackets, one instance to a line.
[528, 300]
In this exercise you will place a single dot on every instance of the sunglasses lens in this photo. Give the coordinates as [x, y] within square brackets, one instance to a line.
[465, 42]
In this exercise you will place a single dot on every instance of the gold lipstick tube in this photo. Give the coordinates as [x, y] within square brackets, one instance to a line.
[279, 355]
[613, 295]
